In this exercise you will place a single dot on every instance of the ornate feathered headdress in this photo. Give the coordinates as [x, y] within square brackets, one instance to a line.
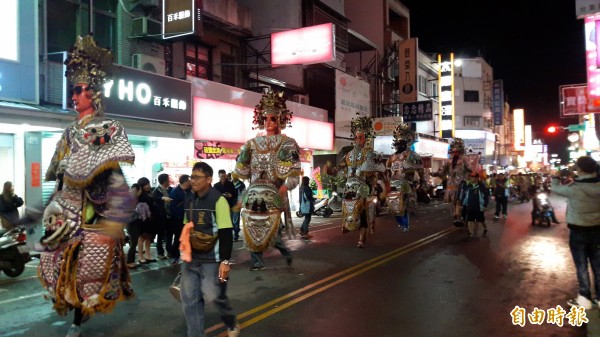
[362, 124]
[458, 145]
[403, 132]
[272, 103]
[90, 64]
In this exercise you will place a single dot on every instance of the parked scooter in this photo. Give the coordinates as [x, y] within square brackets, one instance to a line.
[542, 212]
[335, 202]
[321, 209]
[14, 252]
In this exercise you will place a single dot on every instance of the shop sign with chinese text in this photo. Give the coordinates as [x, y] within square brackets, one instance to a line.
[421, 111]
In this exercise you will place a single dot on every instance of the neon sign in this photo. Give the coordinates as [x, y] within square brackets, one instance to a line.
[144, 95]
[446, 101]
[314, 44]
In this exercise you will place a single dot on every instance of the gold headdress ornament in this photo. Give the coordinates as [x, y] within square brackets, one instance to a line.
[362, 124]
[403, 132]
[90, 64]
[458, 145]
[272, 103]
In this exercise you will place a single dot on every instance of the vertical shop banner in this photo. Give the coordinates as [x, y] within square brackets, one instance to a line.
[407, 56]
[591, 58]
[498, 101]
[352, 96]
[446, 97]
[36, 175]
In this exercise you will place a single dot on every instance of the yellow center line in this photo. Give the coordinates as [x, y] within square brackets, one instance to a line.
[362, 267]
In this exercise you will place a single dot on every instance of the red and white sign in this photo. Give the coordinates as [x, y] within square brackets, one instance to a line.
[314, 44]
[574, 101]
[225, 122]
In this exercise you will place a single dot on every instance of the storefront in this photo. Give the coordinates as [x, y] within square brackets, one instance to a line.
[222, 122]
[143, 102]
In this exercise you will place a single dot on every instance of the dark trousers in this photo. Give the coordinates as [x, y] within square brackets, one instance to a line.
[161, 236]
[501, 204]
[585, 250]
[305, 223]
[174, 229]
[133, 230]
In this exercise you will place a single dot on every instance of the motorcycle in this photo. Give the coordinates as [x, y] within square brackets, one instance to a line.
[14, 252]
[335, 202]
[321, 209]
[542, 212]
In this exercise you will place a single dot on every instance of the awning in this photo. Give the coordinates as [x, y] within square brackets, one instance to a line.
[357, 42]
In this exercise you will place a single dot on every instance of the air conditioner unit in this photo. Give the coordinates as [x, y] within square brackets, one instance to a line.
[148, 63]
[149, 3]
[144, 26]
[302, 99]
[259, 87]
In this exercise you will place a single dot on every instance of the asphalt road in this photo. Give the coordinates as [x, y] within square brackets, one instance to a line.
[431, 281]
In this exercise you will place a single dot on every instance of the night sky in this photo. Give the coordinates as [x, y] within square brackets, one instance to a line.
[534, 46]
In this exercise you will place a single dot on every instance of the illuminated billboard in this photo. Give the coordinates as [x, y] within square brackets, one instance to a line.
[178, 18]
[519, 123]
[446, 96]
[314, 44]
[591, 59]
[207, 113]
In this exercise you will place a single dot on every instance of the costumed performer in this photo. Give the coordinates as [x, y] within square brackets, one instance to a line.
[362, 165]
[271, 162]
[455, 171]
[83, 266]
[402, 166]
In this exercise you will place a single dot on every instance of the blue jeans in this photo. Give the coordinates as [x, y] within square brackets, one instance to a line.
[199, 285]
[403, 220]
[585, 249]
[257, 258]
[235, 219]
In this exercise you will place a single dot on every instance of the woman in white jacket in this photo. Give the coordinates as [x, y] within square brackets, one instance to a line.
[583, 219]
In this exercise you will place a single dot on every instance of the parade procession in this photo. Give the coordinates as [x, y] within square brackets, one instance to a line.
[335, 168]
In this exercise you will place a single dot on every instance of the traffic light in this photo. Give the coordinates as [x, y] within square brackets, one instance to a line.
[552, 129]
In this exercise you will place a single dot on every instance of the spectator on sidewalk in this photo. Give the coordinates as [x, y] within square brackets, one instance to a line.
[9, 202]
[240, 187]
[227, 189]
[307, 206]
[163, 218]
[177, 206]
[583, 220]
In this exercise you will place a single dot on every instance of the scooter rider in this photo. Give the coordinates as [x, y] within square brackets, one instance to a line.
[536, 189]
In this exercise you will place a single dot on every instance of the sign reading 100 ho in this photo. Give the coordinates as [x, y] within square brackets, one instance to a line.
[143, 95]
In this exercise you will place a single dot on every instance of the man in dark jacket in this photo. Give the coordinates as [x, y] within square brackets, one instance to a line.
[475, 198]
[227, 189]
[164, 213]
[177, 205]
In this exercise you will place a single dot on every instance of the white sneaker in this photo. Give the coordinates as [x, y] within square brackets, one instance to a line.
[74, 331]
[505, 216]
[580, 301]
[233, 333]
